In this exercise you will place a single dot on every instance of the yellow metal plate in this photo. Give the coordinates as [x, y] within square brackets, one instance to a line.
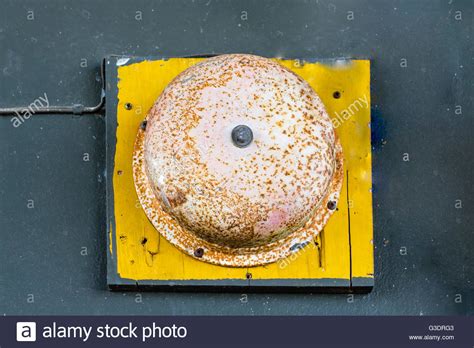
[343, 250]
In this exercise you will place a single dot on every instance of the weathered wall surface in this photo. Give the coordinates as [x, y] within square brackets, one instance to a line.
[52, 187]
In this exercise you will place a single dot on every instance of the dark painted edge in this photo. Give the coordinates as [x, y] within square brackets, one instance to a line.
[129, 60]
[239, 285]
[111, 93]
[363, 283]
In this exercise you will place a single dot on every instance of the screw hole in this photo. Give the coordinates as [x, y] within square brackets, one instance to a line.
[119, 172]
[199, 252]
[332, 205]
[144, 240]
[248, 276]
[336, 95]
[128, 106]
[143, 125]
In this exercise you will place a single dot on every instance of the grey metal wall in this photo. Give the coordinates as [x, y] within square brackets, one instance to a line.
[52, 222]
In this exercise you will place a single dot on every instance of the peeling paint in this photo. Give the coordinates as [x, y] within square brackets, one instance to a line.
[122, 61]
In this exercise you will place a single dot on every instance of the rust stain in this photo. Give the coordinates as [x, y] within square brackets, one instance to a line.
[241, 206]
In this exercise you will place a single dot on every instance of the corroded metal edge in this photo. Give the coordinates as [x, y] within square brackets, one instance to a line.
[203, 250]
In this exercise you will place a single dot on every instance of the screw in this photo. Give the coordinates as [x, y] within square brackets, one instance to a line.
[332, 205]
[336, 95]
[248, 275]
[143, 125]
[128, 106]
[199, 252]
[242, 136]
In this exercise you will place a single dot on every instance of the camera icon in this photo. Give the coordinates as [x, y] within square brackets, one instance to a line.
[26, 331]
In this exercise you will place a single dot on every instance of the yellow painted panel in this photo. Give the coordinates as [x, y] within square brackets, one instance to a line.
[142, 254]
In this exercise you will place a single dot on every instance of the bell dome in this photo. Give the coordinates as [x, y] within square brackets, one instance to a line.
[241, 154]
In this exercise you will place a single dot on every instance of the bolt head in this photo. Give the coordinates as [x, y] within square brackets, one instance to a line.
[242, 136]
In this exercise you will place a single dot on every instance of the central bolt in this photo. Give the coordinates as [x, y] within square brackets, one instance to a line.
[242, 136]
